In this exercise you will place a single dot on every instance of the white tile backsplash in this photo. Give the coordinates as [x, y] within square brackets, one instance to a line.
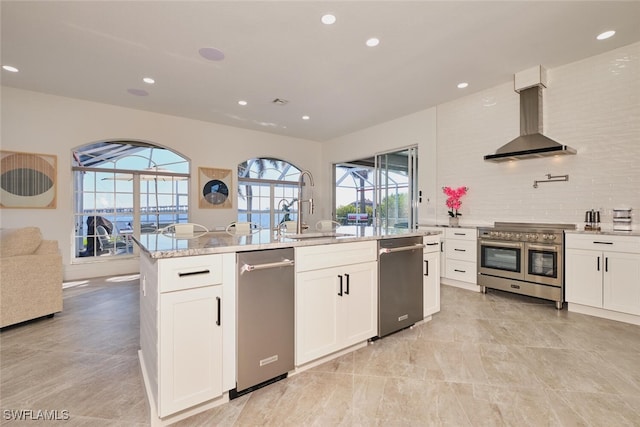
[592, 105]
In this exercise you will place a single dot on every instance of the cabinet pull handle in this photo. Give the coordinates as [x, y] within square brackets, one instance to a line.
[598, 263]
[432, 244]
[426, 267]
[460, 250]
[459, 271]
[460, 234]
[218, 300]
[603, 243]
[441, 246]
[347, 291]
[340, 293]
[193, 273]
[606, 264]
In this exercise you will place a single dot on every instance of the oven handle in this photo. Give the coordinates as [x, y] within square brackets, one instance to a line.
[552, 248]
[502, 244]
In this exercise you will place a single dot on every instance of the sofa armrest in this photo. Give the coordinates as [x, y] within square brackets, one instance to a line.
[48, 247]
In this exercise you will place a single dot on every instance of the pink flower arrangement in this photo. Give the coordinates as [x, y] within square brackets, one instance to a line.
[453, 199]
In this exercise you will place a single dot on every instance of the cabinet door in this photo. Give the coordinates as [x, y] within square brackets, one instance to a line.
[583, 277]
[316, 314]
[621, 286]
[358, 317]
[190, 348]
[431, 283]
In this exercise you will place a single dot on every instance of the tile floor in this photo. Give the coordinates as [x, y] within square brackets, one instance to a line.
[484, 360]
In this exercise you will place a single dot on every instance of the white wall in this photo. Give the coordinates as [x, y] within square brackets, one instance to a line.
[40, 123]
[592, 105]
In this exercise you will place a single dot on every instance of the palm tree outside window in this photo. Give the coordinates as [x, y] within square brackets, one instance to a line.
[267, 191]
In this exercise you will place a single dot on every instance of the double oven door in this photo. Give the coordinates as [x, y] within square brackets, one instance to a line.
[529, 262]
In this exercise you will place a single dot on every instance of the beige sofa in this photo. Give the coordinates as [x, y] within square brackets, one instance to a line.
[30, 276]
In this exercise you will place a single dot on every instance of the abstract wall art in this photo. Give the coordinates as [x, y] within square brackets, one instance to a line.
[27, 180]
[215, 188]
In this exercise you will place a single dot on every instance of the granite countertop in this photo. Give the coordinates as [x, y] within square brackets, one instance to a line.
[158, 245]
[455, 226]
[606, 232]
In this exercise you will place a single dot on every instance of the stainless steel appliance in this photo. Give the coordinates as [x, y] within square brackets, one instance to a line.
[523, 258]
[399, 283]
[265, 318]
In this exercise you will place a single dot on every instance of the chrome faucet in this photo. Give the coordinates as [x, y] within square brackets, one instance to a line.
[301, 201]
[283, 206]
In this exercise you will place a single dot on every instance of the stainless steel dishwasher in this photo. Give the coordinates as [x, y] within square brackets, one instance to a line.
[265, 318]
[399, 283]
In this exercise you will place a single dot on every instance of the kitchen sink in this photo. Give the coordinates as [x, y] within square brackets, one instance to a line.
[315, 235]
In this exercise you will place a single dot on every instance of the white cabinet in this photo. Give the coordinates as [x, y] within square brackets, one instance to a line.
[336, 301]
[190, 348]
[461, 253]
[431, 275]
[181, 330]
[603, 271]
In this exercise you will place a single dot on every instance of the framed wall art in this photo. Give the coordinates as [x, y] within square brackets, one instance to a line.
[215, 188]
[27, 180]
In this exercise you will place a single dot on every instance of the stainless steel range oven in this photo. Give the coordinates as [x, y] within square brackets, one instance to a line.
[523, 258]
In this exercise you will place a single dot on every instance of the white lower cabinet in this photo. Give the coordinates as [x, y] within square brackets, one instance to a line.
[191, 348]
[431, 275]
[336, 306]
[181, 330]
[603, 272]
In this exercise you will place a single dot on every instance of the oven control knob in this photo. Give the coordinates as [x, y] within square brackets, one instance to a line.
[551, 237]
[517, 236]
[533, 237]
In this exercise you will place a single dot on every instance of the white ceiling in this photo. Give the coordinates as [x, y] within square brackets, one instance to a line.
[280, 49]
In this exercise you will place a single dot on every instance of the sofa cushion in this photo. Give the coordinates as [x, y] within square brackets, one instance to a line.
[20, 241]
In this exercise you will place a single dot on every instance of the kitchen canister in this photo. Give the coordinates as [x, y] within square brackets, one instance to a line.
[622, 219]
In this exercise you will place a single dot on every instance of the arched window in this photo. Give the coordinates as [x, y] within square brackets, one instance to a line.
[122, 188]
[267, 191]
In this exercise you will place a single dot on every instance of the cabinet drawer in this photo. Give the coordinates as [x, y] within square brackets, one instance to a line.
[325, 256]
[189, 272]
[431, 244]
[464, 271]
[603, 242]
[464, 250]
[461, 233]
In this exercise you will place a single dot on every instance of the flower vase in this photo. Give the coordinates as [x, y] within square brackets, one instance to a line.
[454, 221]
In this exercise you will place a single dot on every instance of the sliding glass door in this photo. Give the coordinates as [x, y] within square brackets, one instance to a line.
[380, 190]
[396, 188]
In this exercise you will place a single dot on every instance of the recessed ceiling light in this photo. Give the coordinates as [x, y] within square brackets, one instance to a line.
[10, 68]
[211, 53]
[305, 117]
[462, 85]
[372, 42]
[138, 92]
[328, 19]
[242, 102]
[148, 80]
[605, 35]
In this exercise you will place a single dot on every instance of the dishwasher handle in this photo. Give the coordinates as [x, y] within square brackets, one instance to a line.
[401, 248]
[253, 267]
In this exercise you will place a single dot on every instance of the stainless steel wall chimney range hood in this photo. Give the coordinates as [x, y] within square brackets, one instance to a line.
[531, 143]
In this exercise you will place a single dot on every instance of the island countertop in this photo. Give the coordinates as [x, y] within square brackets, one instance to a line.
[159, 245]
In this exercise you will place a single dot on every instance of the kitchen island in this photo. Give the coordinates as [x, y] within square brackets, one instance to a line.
[188, 306]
